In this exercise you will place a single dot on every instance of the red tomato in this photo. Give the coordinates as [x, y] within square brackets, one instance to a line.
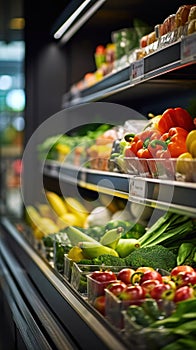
[125, 275]
[133, 293]
[148, 285]
[160, 292]
[151, 275]
[184, 293]
[144, 269]
[99, 304]
[103, 276]
[117, 287]
[185, 278]
[180, 268]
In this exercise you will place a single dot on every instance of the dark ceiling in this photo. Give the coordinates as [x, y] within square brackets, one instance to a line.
[113, 14]
[10, 9]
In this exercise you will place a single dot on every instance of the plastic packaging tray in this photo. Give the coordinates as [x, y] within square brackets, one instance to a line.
[80, 272]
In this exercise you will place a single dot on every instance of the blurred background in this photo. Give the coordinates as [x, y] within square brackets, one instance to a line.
[12, 99]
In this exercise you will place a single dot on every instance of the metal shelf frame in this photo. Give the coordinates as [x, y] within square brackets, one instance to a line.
[69, 320]
[163, 62]
[175, 196]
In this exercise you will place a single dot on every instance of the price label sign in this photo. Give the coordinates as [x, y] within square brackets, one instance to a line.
[188, 48]
[137, 188]
[137, 70]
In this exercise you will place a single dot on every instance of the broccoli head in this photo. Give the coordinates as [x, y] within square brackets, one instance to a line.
[104, 260]
[157, 257]
[86, 262]
[109, 260]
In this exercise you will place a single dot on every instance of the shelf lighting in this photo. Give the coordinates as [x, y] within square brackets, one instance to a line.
[69, 28]
[17, 23]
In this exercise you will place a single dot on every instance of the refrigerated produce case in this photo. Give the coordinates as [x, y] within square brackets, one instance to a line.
[40, 307]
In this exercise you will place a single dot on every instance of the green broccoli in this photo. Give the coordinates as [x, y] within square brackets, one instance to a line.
[156, 256]
[86, 262]
[105, 259]
[109, 260]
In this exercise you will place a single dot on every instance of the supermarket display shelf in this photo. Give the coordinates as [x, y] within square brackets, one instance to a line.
[162, 62]
[65, 311]
[159, 193]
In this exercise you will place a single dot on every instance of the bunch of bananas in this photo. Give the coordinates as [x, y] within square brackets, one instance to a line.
[56, 215]
[69, 210]
[41, 226]
[87, 247]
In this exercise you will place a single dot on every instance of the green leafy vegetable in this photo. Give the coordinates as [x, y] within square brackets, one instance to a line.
[167, 229]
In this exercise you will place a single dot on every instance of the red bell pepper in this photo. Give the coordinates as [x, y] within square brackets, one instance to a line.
[139, 144]
[171, 144]
[175, 117]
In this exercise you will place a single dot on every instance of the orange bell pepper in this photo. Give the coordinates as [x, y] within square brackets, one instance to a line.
[175, 117]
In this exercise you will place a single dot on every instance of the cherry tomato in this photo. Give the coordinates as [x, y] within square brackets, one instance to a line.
[117, 287]
[99, 304]
[148, 285]
[125, 275]
[103, 276]
[144, 269]
[184, 293]
[133, 293]
[180, 268]
[185, 278]
[160, 291]
[151, 275]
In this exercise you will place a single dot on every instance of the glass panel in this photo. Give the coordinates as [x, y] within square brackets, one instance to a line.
[12, 106]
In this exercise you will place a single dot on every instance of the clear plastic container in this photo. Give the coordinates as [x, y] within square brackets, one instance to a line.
[173, 169]
[140, 338]
[80, 272]
[161, 168]
[95, 288]
[67, 269]
[115, 306]
[137, 166]
[79, 276]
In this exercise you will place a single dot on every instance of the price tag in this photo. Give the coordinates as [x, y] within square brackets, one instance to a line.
[137, 70]
[137, 188]
[188, 48]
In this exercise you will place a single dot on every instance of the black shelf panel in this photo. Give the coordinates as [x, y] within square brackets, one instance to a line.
[162, 63]
[176, 196]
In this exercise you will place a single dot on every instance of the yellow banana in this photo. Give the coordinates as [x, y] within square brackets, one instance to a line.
[32, 216]
[93, 250]
[74, 206]
[45, 227]
[57, 203]
[46, 211]
[68, 219]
